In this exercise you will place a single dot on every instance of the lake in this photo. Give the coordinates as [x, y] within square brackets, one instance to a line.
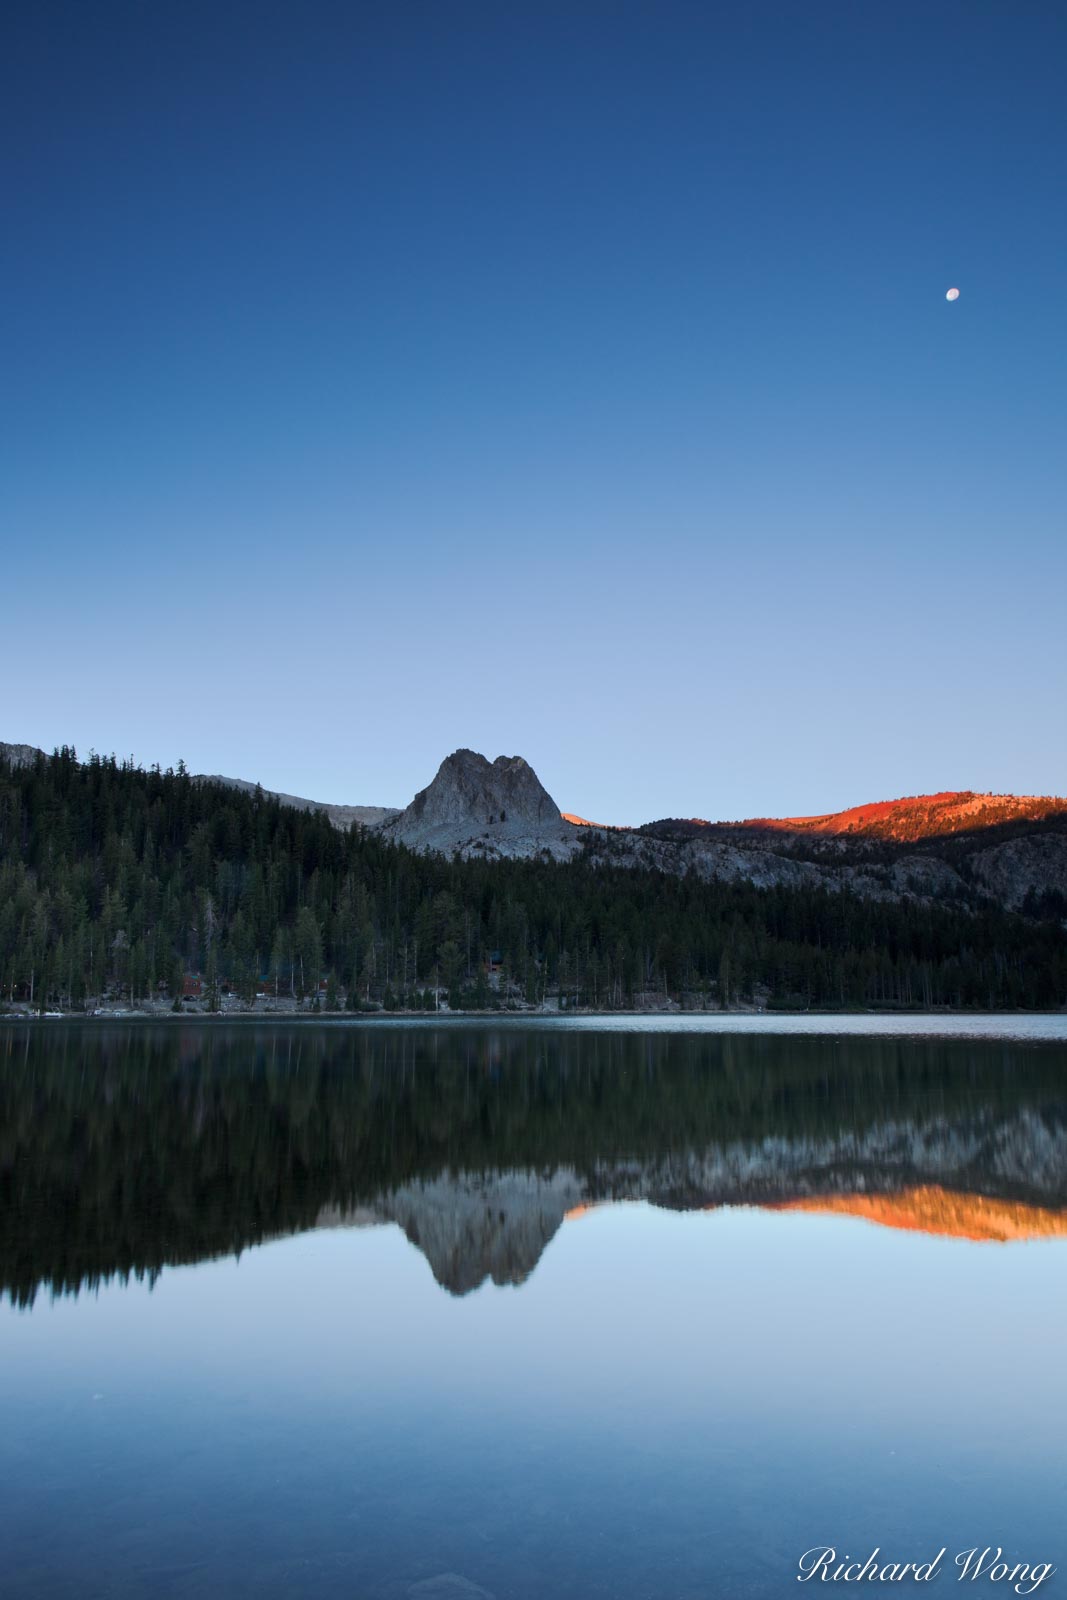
[640, 1309]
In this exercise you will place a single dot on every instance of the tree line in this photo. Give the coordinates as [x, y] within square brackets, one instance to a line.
[117, 880]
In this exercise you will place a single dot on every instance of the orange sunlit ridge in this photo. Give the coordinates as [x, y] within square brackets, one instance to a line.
[923, 815]
[913, 817]
[584, 822]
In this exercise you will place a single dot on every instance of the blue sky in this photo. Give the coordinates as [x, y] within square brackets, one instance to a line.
[570, 380]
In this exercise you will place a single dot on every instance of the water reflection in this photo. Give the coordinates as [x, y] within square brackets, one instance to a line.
[125, 1150]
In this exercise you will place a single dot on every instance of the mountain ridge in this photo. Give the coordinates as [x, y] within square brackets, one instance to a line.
[909, 819]
[959, 846]
[121, 885]
[484, 786]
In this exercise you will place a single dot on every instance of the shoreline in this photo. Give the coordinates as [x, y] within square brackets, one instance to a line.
[434, 1018]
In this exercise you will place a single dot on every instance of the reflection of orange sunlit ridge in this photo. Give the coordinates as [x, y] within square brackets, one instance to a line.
[925, 1208]
[931, 1209]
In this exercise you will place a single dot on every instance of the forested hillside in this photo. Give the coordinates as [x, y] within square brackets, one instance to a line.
[123, 881]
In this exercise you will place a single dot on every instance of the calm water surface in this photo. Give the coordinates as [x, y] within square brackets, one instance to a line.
[443, 1312]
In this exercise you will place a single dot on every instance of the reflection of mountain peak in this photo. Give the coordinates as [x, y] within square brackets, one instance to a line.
[983, 1178]
[471, 1227]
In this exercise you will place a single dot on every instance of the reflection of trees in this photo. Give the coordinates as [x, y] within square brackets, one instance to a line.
[124, 1149]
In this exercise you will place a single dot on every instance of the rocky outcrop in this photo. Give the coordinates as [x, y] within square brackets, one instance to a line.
[1033, 865]
[480, 807]
[19, 755]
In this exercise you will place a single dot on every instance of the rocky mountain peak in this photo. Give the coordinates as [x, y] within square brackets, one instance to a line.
[501, 803]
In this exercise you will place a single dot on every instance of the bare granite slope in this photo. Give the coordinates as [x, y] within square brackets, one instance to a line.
[480, 807]
[1033, 865]
[20, 755]
[342, 816]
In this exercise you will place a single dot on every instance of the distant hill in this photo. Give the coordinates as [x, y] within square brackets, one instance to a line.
[342, 816]
[916, 817]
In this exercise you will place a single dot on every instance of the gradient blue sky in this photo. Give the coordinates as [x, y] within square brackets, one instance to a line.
[572, 380]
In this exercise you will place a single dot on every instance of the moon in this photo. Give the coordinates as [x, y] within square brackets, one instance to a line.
[953, 294]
